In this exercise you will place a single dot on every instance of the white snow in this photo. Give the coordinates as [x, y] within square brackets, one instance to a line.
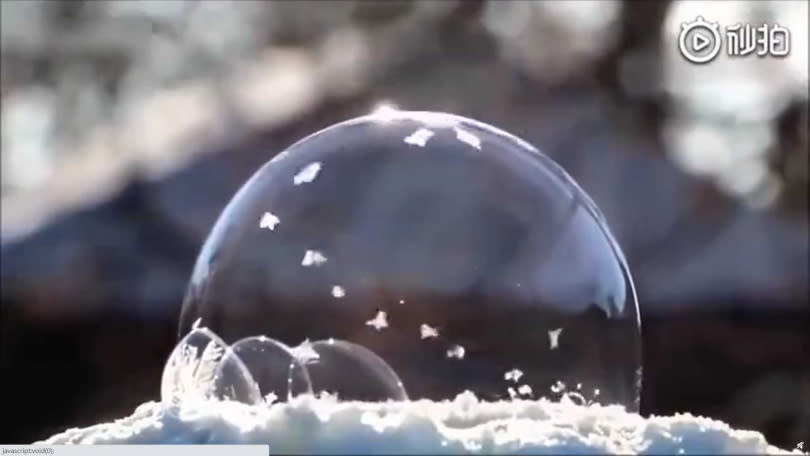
[465, 425]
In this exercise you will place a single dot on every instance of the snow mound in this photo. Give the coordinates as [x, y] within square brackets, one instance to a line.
[465, 425]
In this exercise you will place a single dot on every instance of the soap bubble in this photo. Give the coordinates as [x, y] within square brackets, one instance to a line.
[423, 220]
[278, 374]
[352, 372]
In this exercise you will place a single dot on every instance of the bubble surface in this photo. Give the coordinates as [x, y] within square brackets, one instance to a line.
[450, 250]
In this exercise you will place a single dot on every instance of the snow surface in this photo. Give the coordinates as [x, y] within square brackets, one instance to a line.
[465, 425]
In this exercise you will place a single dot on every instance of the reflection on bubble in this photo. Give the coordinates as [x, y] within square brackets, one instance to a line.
[451, 250]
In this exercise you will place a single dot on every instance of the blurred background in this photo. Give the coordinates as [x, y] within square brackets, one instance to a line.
[127, 126]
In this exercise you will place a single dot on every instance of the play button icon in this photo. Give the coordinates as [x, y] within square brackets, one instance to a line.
[699, 41]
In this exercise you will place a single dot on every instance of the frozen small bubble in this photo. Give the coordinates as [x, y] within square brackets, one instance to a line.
[427, 331]
[579, 386]
[269, 221]
[596, 392]
[379, 321]
[313, 258]
[307, 174]
[512, 393]
[338, 291]
[554, 338]
[456, 351]
[558, 387]
[513, 375]
[525, 390]
[419, 138]
[467, 137]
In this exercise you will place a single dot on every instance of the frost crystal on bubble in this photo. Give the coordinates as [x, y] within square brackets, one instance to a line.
[512, 393]
[338, 291]
[379, 321]
[269, 221]
[467, 137]
[456, 351]
[513, 375]
[304, 353]
[313, 258]
[419, 138]
[554, 338]
[307, 174]
[427, 331]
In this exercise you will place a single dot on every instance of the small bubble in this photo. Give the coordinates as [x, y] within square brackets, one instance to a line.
[402, 301]
[558, 387]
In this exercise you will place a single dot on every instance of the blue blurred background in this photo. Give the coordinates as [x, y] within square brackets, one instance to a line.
[126, 127]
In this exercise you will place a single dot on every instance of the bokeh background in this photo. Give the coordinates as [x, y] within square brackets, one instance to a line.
[126, 127]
